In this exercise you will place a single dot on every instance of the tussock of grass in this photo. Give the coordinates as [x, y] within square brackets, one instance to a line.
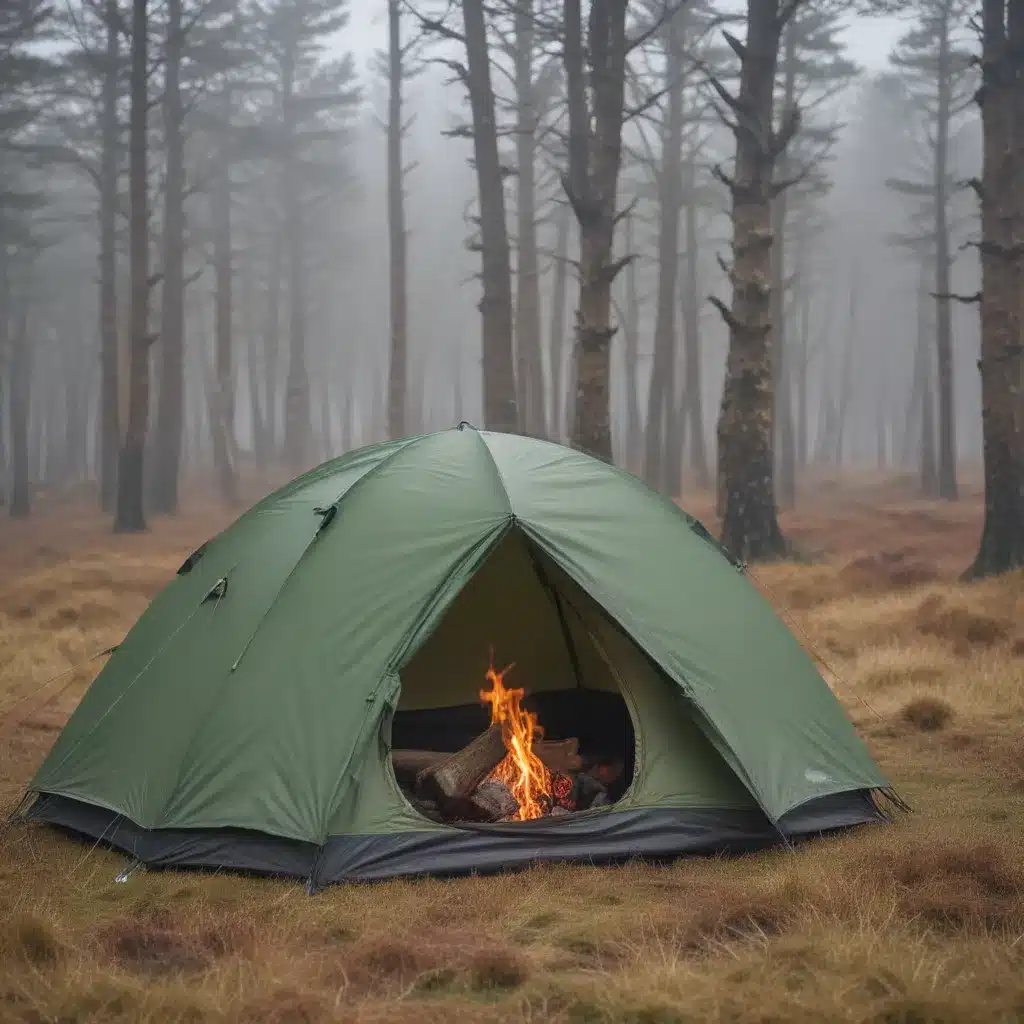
[956, 888]
[919, 921]
[32, 940]
[962, 626]
[929, 714]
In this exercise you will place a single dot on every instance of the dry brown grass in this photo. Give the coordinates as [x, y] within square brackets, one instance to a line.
[921, 921]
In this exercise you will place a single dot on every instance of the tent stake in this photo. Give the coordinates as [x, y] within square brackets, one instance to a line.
[122, 876]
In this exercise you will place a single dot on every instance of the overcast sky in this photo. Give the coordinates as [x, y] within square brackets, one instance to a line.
[869, 39]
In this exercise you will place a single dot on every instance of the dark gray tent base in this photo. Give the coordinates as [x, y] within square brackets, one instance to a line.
[598, 838]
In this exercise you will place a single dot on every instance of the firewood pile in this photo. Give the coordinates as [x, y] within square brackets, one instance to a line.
[464, 786]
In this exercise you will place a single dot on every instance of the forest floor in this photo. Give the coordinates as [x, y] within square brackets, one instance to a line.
[920, 921]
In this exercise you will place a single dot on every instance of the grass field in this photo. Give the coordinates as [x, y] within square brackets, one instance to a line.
[921, 921]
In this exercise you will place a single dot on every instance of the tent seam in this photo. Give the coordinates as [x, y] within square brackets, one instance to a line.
[273, 603]
[497, 472]
[684, 685]
[336, 504]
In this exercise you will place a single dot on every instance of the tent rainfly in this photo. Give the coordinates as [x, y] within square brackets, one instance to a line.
[248, 719]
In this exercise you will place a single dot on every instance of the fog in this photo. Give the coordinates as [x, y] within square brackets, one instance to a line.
[861, 292]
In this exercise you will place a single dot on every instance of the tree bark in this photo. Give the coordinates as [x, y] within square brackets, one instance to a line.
[224, 447]
[786, 456]
[247, 308]
[661, 394]
[5, 385]
[691, 299]
[397, 238]
[530, 381]
[928, 456]
[556, 331]
[272, 342]
[499, 384]
[459, 774]
[802, 361]
[21, 388]
[110, 138]
[943, 261]
[130, 515]
[1002, 269]
[750, 528]
[297, 420]
[171, 393]
[595, 157]
[631, 357]
[846, 378]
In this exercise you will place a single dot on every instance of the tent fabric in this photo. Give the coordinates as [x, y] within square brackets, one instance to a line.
[256, 695]
[595, 838]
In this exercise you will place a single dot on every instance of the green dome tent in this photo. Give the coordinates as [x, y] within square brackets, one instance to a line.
[246, 721]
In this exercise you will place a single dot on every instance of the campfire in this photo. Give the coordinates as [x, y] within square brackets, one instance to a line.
[509, 772]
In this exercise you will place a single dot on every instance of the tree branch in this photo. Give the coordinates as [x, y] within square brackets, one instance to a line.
[731, 322]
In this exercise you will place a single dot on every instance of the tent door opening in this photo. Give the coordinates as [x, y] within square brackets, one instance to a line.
[509, 711]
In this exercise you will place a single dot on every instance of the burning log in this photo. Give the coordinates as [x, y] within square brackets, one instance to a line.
[492, 800]
[409, 763]
[559, 756]
[451, 780]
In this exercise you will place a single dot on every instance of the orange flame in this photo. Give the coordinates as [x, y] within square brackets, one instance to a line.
[526, 776]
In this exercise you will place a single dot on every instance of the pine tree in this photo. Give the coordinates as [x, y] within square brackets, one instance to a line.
[1001, 191]
[746, 475]
[314, 99]
[937, 71]
[22, 70]
[812, 67]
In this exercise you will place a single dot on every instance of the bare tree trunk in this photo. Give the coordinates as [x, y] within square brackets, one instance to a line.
[786, 456]
[325, 415]
[556, 332]
[398, 365]
[928, 463]
[750, 528]
[846, 380]
[297, 421]
[76, 405]
[595, 156]
[248, 314]
[661, 395]
[110, 138]
[1002, 214]
[499, 384]
[631, 330]
[21, 388]
[675, 430]
[944, 311]
[224, 447]
[272, 342]
[171, 394]
[691, 298]
[345, 417]
[130, 511]
[5, 384]
[530, 382]
[801, 368]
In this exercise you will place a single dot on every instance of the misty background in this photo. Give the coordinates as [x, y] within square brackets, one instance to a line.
[861, 312]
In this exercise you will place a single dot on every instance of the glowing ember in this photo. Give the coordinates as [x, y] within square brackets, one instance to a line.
[561, 790]
[526, 776]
